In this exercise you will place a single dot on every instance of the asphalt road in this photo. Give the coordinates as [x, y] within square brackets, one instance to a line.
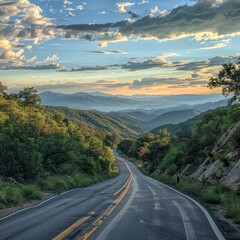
[131, 206]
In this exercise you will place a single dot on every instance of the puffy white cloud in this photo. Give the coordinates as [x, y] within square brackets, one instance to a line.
[32, 59]
[123, 5]
[5, 44]
[50, 59]
[21, 20]
[12, 54]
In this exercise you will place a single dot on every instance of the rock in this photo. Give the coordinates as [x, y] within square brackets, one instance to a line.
[232, 179]
[185, 171]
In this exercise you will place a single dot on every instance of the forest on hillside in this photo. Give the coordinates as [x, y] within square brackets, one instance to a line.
[47, 151]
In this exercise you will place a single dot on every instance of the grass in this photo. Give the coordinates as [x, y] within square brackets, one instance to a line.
[30, 192]
[12, 194]
[59, 184]
[231, 203]
[209, 196]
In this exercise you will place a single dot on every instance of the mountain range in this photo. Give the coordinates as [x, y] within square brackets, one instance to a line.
[106, 102]
[132, 115]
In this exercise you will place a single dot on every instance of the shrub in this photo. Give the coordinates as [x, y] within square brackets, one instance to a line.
[30, 192]
[13, 195]
[82, 180]
[56, 183]
[209, 196]
[232, 206]
[221, 188]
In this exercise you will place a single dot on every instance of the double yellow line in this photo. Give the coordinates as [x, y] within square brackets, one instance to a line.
[101, 218]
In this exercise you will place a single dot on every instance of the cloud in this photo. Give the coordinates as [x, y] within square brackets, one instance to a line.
[156, 12]
[54, 58]
[133, 14]
[156, 62]
[32, 59]
[215, 61]
[12, 54]
[143, 2]
[207, 19]
[109, 52]
[20, 21]
[89, 68]
[51, 66]
[79, 85]
[123, 5]
[147, 82]
[80, 7]
[217, 45]
[5, 44]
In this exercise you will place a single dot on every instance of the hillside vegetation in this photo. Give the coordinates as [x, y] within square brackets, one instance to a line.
[47, 151]
[99, 120]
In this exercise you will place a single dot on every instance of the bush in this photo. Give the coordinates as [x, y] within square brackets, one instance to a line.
[209, 196]
[82, 180]
[221, 188]
[232, 206]
[192, 187]
[12, 195]
[56, 184]
[31, 192]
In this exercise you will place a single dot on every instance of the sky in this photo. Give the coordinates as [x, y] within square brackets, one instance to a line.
[154, 47]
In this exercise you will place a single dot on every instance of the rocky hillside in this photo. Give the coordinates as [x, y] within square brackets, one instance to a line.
[223, 164]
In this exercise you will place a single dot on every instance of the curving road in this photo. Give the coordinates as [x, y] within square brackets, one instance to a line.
[131, 206]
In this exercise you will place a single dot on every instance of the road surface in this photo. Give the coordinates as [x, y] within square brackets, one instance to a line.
[131, 206]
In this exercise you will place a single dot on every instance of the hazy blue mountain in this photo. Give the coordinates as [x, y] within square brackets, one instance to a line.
[211, 105]
[175, 128]
[171, 118]
[106, 102]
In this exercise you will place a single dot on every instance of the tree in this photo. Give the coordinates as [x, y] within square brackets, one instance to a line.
[143, 152]
[229, 79]
[29, 97]
[2, 88]
[125, 145]
[164, 136]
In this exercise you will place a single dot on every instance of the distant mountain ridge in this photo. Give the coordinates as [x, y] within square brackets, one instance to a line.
[106, 102]
[172, 118]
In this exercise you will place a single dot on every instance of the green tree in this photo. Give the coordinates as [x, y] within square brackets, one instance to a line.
[29, 97]
[125, 145]
[229, 79]
[164, 136]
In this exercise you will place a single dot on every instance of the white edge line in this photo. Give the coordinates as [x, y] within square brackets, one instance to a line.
[215, 228]
[24, 209]
[27, 208]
